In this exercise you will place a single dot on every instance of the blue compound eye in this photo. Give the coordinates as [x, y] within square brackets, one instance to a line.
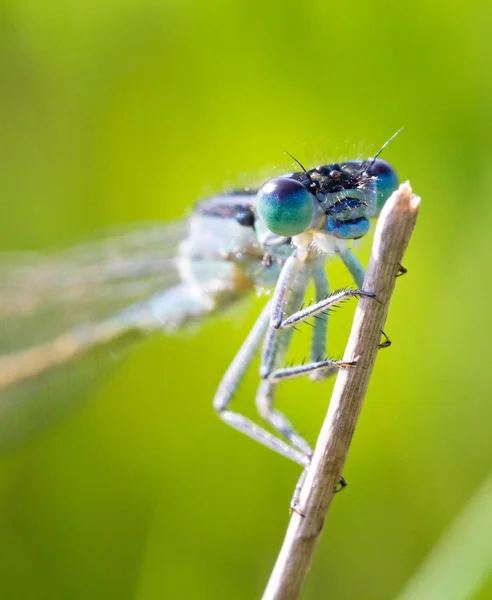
[386, 181]
[285, 206]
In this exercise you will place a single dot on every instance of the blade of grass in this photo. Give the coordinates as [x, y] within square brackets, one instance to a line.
[461, 561]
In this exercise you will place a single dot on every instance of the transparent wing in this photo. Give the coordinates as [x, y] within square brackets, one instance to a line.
[61, 317]
[43, 295]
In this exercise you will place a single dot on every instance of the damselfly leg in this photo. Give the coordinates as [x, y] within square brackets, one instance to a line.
[229, 384]
[276, 332]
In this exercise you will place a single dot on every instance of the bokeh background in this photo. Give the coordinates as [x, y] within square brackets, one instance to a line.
[128, 111]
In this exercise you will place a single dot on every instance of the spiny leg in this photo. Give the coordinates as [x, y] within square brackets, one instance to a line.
[288, 296]
[317, 369]
[322, 306]
[229, 384]
[284, 288]
[274, 350]
[265, 396]
[320, 332]
[299, 370]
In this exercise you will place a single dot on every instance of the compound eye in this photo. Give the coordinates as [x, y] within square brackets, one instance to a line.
[285, 206]
[386, 181]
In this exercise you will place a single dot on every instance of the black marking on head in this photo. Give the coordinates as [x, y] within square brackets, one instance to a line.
[229, 206]
[245, 216]
[339, 177]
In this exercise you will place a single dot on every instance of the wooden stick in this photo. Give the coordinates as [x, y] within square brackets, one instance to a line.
[393, 231]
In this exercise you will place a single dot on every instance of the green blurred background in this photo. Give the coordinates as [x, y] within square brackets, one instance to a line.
[119, 112]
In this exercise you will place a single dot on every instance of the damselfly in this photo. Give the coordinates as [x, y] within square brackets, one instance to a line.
[56, 310]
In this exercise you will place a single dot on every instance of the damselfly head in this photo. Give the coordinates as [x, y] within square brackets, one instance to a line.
[338, 198]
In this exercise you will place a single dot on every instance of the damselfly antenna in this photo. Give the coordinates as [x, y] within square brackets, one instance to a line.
[302, 167]
[373, 160]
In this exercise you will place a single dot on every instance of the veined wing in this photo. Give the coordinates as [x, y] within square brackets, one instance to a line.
[43, 295]
[61, 313]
